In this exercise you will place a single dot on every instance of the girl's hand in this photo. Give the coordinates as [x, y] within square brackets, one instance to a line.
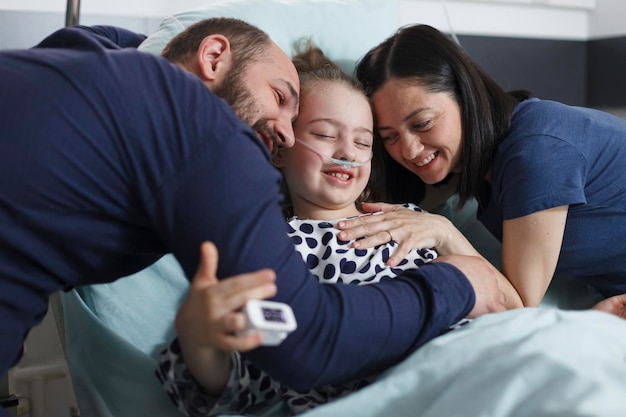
[209, 320]
[212, 316]
[408, 228]
[615, 305]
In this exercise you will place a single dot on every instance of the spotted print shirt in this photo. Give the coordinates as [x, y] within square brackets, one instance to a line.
[331, 261]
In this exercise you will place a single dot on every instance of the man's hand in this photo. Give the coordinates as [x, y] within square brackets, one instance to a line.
[482, 276]
[615, 305]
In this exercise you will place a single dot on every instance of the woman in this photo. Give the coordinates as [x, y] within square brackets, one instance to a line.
[549, 178]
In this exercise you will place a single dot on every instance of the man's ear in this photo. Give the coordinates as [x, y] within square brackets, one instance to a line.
[214, 58]
[278, 159]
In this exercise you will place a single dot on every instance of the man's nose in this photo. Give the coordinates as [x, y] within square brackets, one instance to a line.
[284, 134]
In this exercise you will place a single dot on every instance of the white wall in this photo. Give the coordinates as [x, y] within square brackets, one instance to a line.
[553, 19]
[108, 7]
[608, 19]
[556, 19]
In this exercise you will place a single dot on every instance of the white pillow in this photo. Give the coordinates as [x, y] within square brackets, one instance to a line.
[344, 29]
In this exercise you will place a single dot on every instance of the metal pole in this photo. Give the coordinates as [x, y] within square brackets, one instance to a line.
[72, 13]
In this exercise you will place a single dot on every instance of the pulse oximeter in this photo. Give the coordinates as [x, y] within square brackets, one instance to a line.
[273, 319]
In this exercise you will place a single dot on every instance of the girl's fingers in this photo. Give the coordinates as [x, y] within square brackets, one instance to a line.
[205, 275]
[230, 333]
[241, 342]
[261, 284]
[231, 294]
[233, 323]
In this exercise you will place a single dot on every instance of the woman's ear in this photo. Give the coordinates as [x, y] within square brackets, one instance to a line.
[278, 158]
[214, 58]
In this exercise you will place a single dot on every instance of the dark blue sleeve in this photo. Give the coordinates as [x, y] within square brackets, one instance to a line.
[83, 37]
[529, 175]
[123, 38]
[230, 195]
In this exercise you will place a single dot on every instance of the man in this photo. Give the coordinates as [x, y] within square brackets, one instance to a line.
[110, 158]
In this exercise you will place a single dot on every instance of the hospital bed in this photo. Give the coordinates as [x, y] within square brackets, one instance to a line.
[529, 362]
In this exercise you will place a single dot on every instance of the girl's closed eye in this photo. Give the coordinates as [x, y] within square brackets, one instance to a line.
[363, 143]
[327, 136]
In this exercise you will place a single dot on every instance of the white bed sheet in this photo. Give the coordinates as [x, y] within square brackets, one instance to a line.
[523, 363]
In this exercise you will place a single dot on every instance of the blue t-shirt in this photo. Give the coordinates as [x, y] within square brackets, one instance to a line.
[111, 157]
[559, 155]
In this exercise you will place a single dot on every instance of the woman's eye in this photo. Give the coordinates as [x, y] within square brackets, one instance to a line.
[388, 138]
[422, 125]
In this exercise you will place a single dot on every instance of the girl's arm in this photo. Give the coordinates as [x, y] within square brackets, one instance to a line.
[246, 386]
[530, 250]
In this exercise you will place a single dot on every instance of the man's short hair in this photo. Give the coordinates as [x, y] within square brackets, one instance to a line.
[247, 42]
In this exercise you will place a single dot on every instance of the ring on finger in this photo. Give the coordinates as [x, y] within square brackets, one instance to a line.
[390, 235]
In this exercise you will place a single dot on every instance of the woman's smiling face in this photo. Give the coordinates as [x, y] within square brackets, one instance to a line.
[420, 129]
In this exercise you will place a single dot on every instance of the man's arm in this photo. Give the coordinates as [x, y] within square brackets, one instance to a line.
[109, 37]
[121, 37]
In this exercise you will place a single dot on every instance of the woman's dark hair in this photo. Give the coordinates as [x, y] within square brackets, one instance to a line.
[423, 55]
[247, 42]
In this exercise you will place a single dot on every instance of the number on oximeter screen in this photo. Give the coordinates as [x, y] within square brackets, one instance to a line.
[274, 314]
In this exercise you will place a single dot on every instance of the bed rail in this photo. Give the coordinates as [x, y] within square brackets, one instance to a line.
[72, 13]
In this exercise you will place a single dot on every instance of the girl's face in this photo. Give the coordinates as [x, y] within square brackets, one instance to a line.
[335, 121]
[421, 130]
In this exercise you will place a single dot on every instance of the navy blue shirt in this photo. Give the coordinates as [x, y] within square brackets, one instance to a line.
[559, 155]
[110, 158]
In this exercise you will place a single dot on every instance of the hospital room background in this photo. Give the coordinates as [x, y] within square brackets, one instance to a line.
[573, 51]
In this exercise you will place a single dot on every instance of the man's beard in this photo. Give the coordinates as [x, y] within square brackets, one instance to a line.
[240, 99]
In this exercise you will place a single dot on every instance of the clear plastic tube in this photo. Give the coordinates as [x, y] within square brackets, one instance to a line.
[344, 163]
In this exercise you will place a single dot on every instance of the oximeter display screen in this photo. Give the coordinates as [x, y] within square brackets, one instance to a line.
[274, 314]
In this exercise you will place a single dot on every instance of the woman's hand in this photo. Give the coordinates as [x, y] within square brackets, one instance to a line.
[416, 230]
[615, 305]
[209, 321]
[408, 228]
